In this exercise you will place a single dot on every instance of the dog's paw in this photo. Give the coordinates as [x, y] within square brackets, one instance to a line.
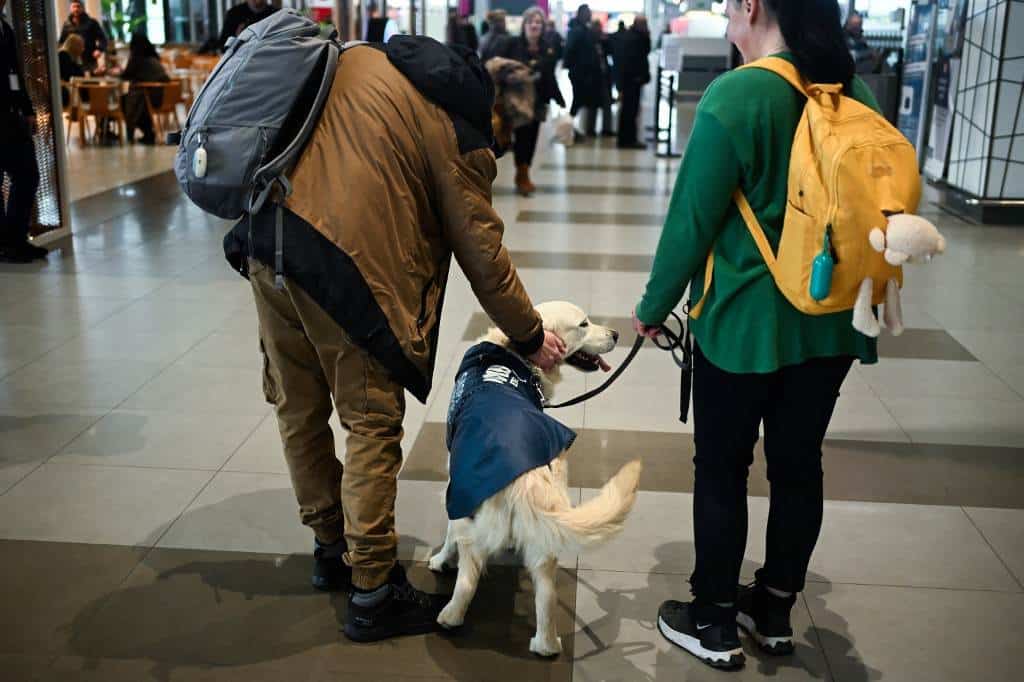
[450, 617]
[437, 564]
[545, 648]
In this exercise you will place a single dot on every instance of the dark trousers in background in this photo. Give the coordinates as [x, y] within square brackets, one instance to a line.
[18, 163]
[524, 143]
[629, 110]
[795, 403]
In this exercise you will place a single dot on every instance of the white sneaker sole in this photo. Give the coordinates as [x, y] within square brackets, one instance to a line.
[773, 645]
[718, 659]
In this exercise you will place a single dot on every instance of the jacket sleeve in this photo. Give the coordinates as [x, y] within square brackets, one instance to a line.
[473, 230]
[101, 38]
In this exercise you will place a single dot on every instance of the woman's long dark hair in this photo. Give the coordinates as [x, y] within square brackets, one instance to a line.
[813, 31]
[140, 47]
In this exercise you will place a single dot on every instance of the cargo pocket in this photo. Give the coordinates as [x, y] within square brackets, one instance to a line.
[269, 384]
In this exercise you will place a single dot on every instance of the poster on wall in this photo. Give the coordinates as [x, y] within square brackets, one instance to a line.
[916, 75]
[937, 158]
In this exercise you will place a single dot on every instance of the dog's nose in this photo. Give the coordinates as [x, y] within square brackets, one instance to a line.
[615, 335]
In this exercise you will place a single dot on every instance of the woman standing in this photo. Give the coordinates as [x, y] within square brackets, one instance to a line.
[531, 49]
[757, 358]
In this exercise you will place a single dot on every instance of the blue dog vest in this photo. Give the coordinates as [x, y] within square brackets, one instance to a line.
[497, 430]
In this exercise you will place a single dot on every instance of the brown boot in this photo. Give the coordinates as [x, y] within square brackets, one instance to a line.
[523, 185]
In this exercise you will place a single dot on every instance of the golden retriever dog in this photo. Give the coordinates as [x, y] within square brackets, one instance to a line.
[533, 514]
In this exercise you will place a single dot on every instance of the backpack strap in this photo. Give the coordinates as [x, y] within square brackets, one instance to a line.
[754, 227]
[782, 68]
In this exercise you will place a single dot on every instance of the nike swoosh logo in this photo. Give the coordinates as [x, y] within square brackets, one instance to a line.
[704, 627]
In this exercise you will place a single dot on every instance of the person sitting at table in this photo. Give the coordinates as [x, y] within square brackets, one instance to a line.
[143, 67]
[70, 63]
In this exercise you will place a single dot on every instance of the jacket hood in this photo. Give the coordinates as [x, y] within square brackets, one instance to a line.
[451, 77]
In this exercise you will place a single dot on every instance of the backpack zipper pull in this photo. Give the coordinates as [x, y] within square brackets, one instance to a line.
[821, 268]
[199, 159]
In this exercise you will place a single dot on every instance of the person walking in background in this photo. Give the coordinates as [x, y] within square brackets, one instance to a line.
[864, 56]
[632, 72]
[461, 32]
[18, 160]
[80, 23]
[584, 65]
[604, 52]
[243, 15]
[531, 49]
[553, 38]
[143, 66]
[492, 43]
[756, 358]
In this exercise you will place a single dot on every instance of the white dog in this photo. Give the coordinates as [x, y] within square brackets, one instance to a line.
[533, 514]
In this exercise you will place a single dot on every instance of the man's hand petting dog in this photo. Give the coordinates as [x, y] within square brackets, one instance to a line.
[550, 354]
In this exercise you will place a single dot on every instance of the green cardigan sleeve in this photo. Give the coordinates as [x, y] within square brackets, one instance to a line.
[708, 177]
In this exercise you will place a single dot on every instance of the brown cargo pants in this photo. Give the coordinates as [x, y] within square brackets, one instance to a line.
[307, 359]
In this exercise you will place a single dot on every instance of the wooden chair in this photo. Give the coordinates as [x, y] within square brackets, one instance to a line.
[168, 107]
[102, 103]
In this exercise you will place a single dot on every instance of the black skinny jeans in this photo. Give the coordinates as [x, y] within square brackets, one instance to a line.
[524, 143]
[795, 403]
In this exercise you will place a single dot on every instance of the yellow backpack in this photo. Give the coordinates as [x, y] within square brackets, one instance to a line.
[849, 169]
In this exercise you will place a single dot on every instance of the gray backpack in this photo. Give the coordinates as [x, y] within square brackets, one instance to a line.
[255, 113]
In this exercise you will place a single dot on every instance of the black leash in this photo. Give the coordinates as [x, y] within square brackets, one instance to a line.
[678, 344]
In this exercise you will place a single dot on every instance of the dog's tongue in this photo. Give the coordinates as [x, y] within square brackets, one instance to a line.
[603, 365]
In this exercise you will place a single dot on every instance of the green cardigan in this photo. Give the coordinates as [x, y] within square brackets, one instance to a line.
[741, 137]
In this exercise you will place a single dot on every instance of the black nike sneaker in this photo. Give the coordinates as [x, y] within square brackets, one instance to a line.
[404, 610]
[765, 618]
[330, 574]
[714, 639]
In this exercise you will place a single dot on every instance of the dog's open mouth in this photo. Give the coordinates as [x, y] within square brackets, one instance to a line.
[587, 362]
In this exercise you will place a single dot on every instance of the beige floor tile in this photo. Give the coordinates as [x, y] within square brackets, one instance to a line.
[959, 421]
[242, 512]
[55, 315]
[184, 387]
[261, 452]
[901, 544]
[863, 416]
[97, 504]
[1004, 530]
[109, 345]
[93, 385]
[160, 440]
[221, 349]
[638, 408]
[873, 633]
[906, 378]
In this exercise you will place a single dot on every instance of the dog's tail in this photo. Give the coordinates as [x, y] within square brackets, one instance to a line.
[601, 517]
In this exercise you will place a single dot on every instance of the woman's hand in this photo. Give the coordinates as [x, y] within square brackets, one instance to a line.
[645, 330]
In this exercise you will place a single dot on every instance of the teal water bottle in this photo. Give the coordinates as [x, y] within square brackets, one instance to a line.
[821, 269]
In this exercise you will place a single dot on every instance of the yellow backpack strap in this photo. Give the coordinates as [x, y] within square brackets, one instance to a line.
[754, 227]
[709, 269]
[781, 67]
[755, 230]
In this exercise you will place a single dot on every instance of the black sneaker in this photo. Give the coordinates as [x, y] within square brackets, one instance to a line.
[765, 618]
[330, 574]
[404, 611]
[714, 641]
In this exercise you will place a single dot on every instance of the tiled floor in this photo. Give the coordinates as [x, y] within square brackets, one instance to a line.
[148, 530]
